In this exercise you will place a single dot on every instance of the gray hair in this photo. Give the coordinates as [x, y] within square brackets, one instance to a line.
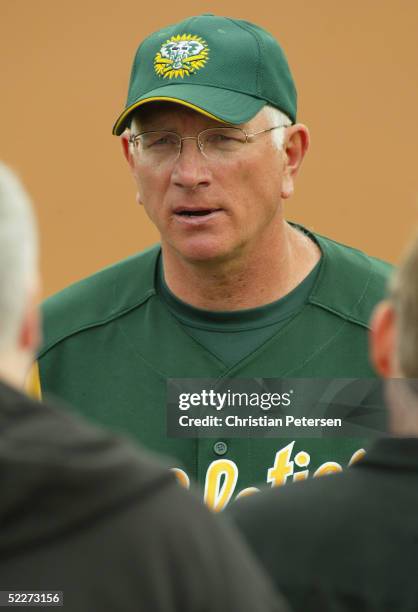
[404, 296]
[276, 117]
[18, 255]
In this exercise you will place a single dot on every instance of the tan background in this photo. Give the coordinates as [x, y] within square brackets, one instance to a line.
[64, 67]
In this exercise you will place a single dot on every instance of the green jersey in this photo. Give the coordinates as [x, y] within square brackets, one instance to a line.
[111, 343]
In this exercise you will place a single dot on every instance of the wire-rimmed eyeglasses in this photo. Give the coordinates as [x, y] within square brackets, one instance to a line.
[217, 144]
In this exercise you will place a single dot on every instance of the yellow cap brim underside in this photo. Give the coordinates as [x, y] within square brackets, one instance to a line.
[163, 99]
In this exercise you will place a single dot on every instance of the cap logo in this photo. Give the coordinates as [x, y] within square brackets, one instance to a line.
[180, 56]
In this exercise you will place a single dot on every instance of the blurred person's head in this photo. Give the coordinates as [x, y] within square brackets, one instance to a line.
[19, 280]
[394, 343]
[404, 299]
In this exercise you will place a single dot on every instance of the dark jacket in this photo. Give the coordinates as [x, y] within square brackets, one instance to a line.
[343, 542]
[86, 513]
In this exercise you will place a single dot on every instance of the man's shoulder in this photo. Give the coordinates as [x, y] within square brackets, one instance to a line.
[349, 255]
[301, 514]
[320, 526]
[350, 282]
[67, 456]
[100, 298]
[294, 502]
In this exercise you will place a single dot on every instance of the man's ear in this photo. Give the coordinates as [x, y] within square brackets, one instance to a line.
[382, 339]
[127, 151]
[295, 147]
[126, 148]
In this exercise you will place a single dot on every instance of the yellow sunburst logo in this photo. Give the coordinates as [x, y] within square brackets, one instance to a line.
[181, 56]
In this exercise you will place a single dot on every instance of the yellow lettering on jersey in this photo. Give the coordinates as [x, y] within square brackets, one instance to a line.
[357, 456]
[330, 467]
[182, 477]
[221, 480]
[302, 459]
[248, 491]
[282, 467]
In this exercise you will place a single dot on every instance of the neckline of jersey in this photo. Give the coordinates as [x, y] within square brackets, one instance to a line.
[236, 320]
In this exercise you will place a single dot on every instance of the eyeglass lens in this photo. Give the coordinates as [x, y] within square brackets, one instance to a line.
[214, 143]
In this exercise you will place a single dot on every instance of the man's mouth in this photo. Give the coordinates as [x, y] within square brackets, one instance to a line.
[196, 213]
[189, 213]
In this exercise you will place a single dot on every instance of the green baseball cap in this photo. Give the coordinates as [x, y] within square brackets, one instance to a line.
[225, 68]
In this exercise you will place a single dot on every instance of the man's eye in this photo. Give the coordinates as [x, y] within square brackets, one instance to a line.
[219, 138]
[162, 141]
[225, 137]
[159, 141]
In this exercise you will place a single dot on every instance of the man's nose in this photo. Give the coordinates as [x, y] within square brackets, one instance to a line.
[191, 168]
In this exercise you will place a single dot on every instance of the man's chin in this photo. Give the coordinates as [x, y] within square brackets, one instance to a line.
[205, 252]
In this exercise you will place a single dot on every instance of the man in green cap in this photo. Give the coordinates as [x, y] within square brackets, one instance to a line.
[234, 291]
